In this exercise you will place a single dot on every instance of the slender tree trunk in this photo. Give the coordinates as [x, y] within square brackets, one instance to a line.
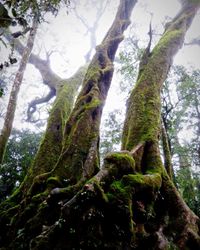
[8, 123]
[166, 151]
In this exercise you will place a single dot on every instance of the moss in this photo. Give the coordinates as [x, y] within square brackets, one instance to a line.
[10, 213]
[120, 158]
[142, 122]
[95, 103]
[99, 191]
[120, 203]
[140, 182]
[119, 162]
[92, 73]
[40, 197]
[119, 191]
[54, 181]
[169, 37]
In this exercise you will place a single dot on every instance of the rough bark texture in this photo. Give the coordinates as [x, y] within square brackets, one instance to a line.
[7, 127]
[130, 203]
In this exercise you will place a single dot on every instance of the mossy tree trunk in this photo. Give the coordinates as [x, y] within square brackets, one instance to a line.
[52, 142]
[79, 159]
[142, 127]
[131, 203]
[12, 103]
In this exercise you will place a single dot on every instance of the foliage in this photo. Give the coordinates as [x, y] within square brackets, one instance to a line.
[180, 111]
[20, 13]
[111, 133]
[21, 149]
[129, 58]
[189, 187]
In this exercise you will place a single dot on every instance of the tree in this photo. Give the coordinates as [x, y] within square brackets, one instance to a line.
[21, 149]
[130, 202]
[111, 134]
[21, 14]
[9, 117]
[178, 116]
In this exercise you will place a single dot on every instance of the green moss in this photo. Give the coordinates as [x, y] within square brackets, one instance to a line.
[95, 103]
[122, 161]
[140, 182]
[120, 157]
[40, 197]
[119, 191]
[54, 181]
[142, 122]
[168, 38]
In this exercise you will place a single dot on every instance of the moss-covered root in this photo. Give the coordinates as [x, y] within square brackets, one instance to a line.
[125, 202]
[144, 189]
[87, 217]
[115, 165]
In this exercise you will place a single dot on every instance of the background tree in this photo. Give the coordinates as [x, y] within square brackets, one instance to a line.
[9, 117]
[21, 149]
[181, 115]
[49, 77]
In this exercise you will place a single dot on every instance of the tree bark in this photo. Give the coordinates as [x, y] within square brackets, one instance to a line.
[7, 127]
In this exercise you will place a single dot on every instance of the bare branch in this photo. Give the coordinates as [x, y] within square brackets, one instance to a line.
[32, 105]
[195, 41]
[92, 27]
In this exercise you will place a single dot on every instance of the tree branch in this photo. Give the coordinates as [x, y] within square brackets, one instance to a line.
[32, 105]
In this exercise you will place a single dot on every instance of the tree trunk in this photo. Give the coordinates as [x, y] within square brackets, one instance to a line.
[8, 123]
[51, 145]
[131, 202]
[166, 151]
[142, 127]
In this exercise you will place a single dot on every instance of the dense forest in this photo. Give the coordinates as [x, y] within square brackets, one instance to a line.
[100, 126]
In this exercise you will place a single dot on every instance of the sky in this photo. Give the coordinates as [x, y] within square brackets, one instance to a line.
[67, 37]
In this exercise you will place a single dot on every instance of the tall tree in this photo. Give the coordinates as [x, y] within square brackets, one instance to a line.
[9, 117]
[131, 203]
